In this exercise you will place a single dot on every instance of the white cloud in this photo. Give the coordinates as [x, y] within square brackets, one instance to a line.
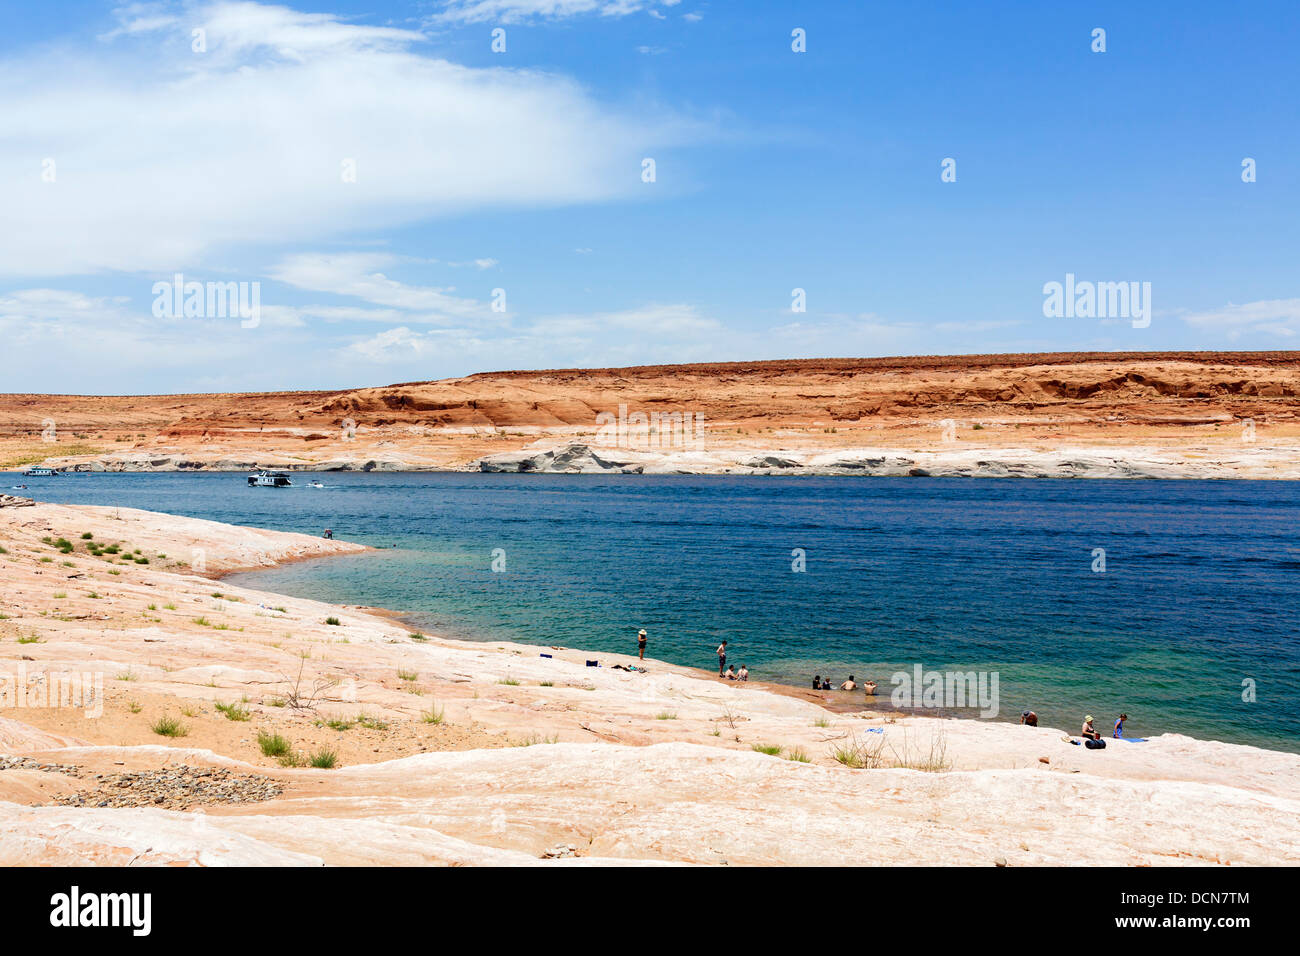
[40, 304]
[1271, 316]
[515, 11]
[163, 156]
[652, 333]
[358, 274]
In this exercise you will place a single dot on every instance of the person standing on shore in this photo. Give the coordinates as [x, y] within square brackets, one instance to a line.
[1119, 725]
[640, 644]
[722, 658]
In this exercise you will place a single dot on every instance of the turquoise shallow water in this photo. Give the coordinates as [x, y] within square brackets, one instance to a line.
[1201, 589]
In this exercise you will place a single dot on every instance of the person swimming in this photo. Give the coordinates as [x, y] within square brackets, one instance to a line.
[849, 684]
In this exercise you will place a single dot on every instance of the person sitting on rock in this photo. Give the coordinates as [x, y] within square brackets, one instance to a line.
[744, 673]
[1088, 730]
[1029, 718]
[817, 681]
[731, 672]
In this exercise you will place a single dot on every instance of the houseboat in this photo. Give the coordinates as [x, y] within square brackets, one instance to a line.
[269, 479]
[41, 472]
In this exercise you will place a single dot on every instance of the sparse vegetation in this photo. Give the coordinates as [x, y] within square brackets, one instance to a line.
[234, 711]
[533, 740]
[273, 745]
[770, 749]
[333, 621]
[324, 759]
[169, 727]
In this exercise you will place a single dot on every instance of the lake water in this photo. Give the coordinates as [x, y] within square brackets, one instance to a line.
[1200, 592]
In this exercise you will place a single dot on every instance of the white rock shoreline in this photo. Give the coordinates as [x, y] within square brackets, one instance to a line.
[959, 462]
[559, 456]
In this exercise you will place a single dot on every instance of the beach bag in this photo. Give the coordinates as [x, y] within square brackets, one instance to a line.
[1094, 744]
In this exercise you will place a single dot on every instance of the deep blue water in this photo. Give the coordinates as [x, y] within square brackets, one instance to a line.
[1201, 588]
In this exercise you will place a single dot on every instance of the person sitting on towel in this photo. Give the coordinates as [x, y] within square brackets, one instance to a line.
[1088, 730]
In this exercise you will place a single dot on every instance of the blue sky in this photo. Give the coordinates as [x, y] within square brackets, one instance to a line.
[126, 157]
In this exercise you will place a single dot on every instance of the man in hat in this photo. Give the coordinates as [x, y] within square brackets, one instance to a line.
[640, 644]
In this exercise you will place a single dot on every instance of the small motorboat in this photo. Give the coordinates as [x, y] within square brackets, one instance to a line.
[269, 479]
[316, 484]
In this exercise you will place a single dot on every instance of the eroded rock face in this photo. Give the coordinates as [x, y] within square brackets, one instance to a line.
[757, 415]
[13, 501]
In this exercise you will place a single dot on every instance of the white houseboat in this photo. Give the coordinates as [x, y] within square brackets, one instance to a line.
[269, 479]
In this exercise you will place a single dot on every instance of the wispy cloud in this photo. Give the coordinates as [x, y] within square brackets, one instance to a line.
[157, 157]
[1272, 316]
[515, 11]
[360, 275]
